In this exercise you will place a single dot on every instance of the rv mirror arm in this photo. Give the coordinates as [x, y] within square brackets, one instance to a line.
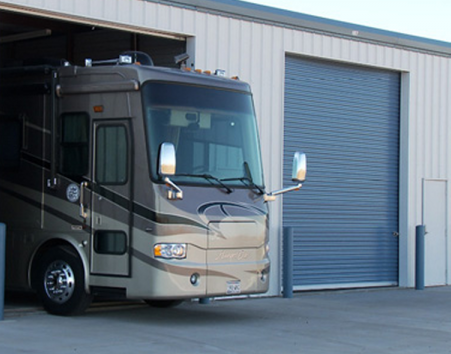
[174, 191]
[272, 196]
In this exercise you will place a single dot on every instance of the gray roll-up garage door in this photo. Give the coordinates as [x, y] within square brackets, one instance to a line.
[345, 218]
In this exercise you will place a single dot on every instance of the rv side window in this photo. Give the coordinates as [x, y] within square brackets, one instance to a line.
[74, 152]
[110, 242]
[10, 142]
[111, 155]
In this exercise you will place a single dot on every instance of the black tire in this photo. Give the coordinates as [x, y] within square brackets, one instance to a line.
[60, 282]
[163, 304]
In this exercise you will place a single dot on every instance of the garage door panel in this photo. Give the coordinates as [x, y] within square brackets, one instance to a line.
[346, 118]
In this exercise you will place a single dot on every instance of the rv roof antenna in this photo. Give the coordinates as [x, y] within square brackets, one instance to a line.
[181, 58]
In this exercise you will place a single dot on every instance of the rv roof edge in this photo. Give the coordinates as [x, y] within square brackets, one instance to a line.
[120, 86]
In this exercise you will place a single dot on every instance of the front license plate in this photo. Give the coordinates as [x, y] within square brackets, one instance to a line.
[233, 287]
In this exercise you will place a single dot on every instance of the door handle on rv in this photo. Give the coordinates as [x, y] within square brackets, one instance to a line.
[83, 212]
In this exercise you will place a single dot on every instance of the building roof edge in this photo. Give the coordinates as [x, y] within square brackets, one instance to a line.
[286, 18]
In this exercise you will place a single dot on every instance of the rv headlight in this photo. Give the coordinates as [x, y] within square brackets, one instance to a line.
[170, 250]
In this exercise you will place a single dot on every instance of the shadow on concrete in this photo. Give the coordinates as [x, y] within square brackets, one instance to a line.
[19, 304]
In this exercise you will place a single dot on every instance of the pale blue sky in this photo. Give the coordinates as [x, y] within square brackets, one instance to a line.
[425, 18]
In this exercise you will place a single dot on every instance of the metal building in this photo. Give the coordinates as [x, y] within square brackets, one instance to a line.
[371, 108]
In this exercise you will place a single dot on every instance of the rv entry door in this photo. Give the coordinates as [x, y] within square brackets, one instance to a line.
[111, 198]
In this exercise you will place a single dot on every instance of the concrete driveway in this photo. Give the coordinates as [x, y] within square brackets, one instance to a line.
[359, 321]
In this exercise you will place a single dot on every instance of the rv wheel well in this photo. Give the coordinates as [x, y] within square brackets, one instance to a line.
[43, 249]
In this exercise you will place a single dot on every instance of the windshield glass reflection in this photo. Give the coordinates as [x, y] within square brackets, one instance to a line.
[213, 131]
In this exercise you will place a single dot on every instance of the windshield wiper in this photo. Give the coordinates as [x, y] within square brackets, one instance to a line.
[247, 178]
[209, 177]
[246, 181]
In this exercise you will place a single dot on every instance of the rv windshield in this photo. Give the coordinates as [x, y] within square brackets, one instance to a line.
[213, 131]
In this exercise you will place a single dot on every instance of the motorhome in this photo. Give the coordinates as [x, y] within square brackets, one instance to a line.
[122, 178]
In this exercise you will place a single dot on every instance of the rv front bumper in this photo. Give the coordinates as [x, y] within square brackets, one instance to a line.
[225, 272]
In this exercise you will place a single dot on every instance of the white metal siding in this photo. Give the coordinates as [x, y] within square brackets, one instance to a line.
[346, 118]
[256, 53]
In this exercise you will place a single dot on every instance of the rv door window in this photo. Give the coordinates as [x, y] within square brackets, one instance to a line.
[74, 151]
[111, 155]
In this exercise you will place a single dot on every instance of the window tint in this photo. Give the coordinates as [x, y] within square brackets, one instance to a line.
[111, 155]
[110, 242]
[74, 158]
[10, 142]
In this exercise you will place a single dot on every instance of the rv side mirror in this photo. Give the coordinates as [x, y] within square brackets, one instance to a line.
[166, 167]
[299, 167]
[167, 160]
[297, 175]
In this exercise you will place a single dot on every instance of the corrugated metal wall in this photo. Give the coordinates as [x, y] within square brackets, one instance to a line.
[346, 118]
[256, 52]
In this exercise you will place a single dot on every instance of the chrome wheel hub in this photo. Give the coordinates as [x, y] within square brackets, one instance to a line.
[59, 281]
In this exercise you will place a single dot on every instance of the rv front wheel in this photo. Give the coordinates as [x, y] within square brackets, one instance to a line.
[60, 283]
